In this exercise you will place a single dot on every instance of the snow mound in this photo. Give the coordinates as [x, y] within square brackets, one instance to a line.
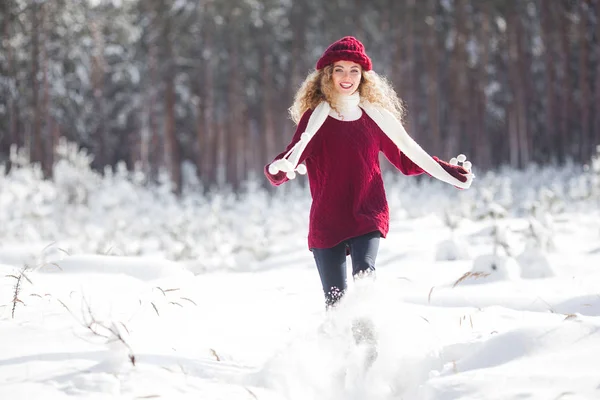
[452, 250]
[142, 268]
[496, 350]
[585, 305]
[495, 268]
[17, 255]
[558, 346]
[535, 265]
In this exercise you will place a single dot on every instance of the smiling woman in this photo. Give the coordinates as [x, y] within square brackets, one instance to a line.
[347, 114]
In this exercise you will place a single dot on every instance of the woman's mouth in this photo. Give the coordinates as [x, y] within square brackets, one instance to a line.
[346, 85]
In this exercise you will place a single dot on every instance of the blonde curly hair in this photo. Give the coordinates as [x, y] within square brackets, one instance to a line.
[318, 87]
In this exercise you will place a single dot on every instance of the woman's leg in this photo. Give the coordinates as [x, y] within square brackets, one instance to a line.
[363, 250]
[331, 264]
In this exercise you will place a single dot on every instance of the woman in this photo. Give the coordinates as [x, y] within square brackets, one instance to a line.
[346, 115]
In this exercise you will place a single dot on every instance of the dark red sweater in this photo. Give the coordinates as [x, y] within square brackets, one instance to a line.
[346, 185]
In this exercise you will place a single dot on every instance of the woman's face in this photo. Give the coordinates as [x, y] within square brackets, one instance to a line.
[346, 77]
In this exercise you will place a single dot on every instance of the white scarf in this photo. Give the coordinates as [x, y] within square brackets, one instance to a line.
[388, 123]
[347, 108]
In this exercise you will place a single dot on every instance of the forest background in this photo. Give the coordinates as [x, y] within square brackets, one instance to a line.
[161, 84]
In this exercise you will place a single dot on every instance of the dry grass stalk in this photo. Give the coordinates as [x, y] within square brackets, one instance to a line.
[469, 274]
[251, 393]
[164, 292]
[110, 332]
[190, 300]
[55, 265]
[429, 296]
[215, 355]
[550, 308]
[17, 289]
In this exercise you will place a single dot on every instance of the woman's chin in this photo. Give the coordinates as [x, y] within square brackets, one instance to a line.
[345, 92]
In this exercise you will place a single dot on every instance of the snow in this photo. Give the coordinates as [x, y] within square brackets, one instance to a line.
[107, 309]
[452, 249]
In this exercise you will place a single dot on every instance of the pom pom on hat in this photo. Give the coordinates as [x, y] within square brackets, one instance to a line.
[347, 48]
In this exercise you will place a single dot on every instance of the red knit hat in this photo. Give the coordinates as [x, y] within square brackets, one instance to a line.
[348, 49]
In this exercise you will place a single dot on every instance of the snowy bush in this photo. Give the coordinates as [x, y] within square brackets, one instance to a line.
[534, 264]
[454, 248]
[585, 186]
[538, 235]
[73, 176]
[500, 264]
[119, 212]
[487, 207]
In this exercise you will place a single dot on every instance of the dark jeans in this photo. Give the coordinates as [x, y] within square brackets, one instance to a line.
[331, 263]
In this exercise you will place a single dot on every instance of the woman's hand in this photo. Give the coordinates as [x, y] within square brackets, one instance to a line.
[284, 165]
[460, 172]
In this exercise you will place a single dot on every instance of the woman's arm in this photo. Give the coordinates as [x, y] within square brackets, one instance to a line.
[408, 167]
[398, 158]
[280, 177]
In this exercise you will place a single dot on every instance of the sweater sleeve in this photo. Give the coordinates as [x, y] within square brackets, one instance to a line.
[281, 177]
[398, 158]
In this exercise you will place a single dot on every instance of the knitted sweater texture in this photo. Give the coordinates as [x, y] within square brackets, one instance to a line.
[346, 185]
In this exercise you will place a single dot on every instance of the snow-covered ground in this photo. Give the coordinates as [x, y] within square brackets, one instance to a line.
[127, 293]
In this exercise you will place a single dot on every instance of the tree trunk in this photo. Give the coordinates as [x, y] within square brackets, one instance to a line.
[222, 143]
[298, 62]
[597, 85]
[409, 70]
[518, 123]
[206, 127]
[513, 134]
[210, 165]
[169, 72]
[358, 9]
[47, 132]
[98, 72]
[37, 146]
[483, 145]
[548, 40]
[432, 59]
[584, 84]
[521, 71]
[458, 88]
[151, 141]
[396, 47]
[268, 133]
[512, 109]
[234, 155]
[156, 158]
[564, 143]
[13, 137]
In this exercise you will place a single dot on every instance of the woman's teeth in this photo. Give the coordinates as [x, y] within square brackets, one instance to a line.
[346, 85]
